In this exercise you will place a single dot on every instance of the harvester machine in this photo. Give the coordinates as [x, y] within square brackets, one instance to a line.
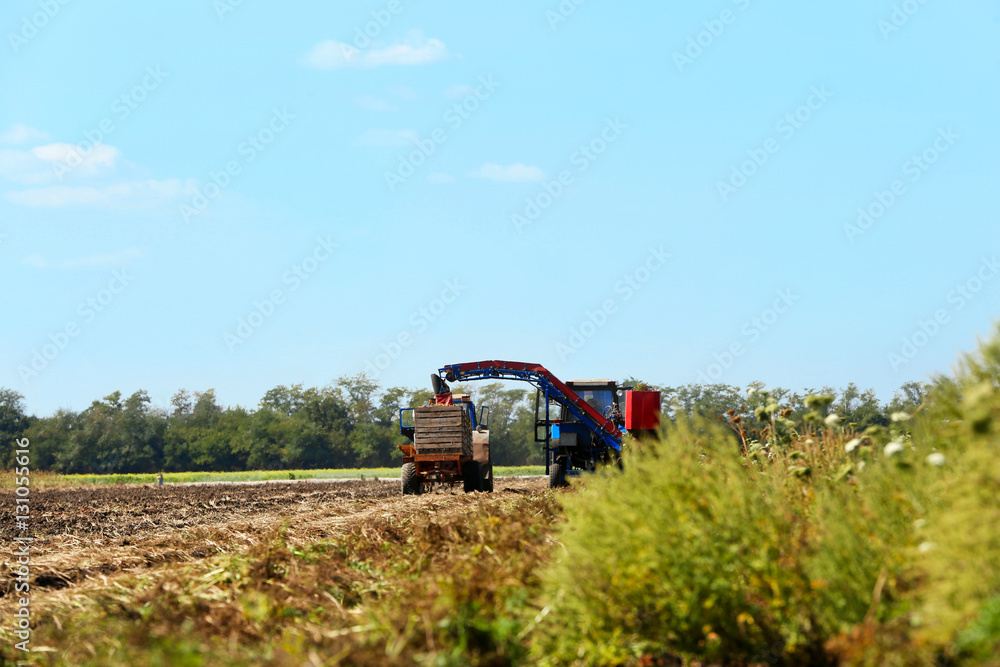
[580, 422]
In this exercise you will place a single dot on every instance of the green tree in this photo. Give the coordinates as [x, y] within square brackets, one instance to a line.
[390, 402]
[860, 409]
[13, 424]
[199, 434]
[418, 397]
[306, 445]
[509, 445]
[908, 398]
[217, 448]
[375, 445]
[117, 436]
[326, 409]
[260, 438]
[287, 400]
[523, 448]
[704, 401]
[51, 440]
[181, 402]
[360, 395]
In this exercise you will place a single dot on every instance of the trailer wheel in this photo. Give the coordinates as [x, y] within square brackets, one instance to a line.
[486, 474]
[557, 474]
[472, 477]
[410, 480]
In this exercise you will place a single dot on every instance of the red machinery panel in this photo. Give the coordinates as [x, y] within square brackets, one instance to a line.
[642, 410]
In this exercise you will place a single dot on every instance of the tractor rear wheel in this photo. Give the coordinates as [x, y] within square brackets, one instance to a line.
[472, 478]
[486, 474]
[410, 480]
[557, 474]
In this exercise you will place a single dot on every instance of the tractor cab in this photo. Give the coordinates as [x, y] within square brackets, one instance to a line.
[555, 423]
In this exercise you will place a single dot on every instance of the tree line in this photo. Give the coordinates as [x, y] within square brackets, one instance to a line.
[351, 423]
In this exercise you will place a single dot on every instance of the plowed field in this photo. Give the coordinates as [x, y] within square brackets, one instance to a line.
[92, 533]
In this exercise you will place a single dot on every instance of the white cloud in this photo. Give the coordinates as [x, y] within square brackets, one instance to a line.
[332, 55]
[128, 195]
[389, 138]
[459, 90]
[514, 173]
[370, 103]
[99, 154]
[438, 178]
[19, 133]
[91, 165]
[114, 261]
[86, 159]
[23, 167]
[40, 164]
[58, 196]
[415, 49]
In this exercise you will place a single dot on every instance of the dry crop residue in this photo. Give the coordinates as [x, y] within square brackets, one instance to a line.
[91, 533]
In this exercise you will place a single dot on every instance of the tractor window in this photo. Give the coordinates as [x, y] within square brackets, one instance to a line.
[601, 400]
[555, 410]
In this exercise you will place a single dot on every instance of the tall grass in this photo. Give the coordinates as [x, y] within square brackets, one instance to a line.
[818, 545]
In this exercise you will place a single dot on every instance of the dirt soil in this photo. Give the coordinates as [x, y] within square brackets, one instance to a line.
[89, 534]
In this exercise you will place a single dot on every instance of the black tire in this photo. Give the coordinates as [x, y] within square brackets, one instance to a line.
[557, 474]
[410, 480]
[472, 478]
[487, 472]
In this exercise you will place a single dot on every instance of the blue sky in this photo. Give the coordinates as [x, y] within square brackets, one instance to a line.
[230, 195]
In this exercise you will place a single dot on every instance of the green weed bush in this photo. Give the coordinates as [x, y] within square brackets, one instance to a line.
[689, 552]
[960, 549]
[817, 545]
